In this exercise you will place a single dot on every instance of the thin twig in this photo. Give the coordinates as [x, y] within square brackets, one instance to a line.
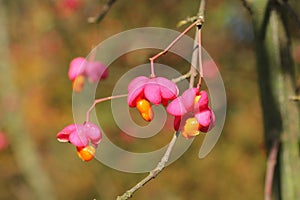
[292, 12]
[169, 47]
[152, 174]
[99, 101]
[102, 13]
[200, 67]
[270, 170]
[201, 11]
[294, 98]
[198, 44]
[247, 6]
[201, 21]
[182, 77]
[193, 71]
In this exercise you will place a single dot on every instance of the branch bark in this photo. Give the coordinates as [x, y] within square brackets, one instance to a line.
[152, 174]
[102, 13]
[276, 74]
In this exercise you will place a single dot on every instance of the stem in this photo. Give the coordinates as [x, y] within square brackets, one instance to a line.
[270, 170]
[181, 78]
[294, 98]
[199, 42]
[193, 75]
[103, 12]
[99, 101]
[170, 46]
[201, 11]
[199, 25]
[193, 62]
[200, 57]
[152, 174]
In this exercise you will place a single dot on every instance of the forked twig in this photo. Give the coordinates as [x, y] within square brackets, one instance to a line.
[99, 101]
[166, 50]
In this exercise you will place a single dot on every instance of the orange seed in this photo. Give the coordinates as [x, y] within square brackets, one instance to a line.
[86, 153]
[191, 128]
[144, 107]
[78, 83]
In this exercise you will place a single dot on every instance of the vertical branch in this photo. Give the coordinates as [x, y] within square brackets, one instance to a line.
[276, 82]
[290, 159]
[24, 150]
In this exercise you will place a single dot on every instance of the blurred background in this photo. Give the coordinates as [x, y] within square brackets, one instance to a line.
[44, 36]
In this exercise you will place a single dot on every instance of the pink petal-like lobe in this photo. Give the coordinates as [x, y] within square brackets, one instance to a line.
[140, 80]
[78, 137]
[212, 124]
[188, 98]
[155, 90]
[95, 70]
[77, 67]
[136, 90]
[204, 117]
[182, 104]
[93, 133]
[168, 89]
[134, 95]
[152, 93]
[202, 103]
[63, 135]
[176, 107]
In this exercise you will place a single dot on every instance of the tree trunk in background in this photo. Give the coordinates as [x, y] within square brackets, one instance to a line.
[24, 151]
[276, 73]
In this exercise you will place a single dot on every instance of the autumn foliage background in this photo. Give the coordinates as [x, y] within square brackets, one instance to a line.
[45, 35]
